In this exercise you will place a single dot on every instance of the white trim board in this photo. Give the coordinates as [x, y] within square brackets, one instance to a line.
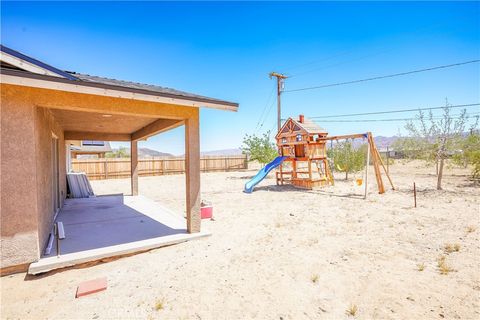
[25, 65]
[71, 259]
[79, 88]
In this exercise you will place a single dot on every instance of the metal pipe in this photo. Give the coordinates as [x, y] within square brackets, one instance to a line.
[57, 237]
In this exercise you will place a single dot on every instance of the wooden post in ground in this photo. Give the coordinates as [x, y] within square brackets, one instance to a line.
[376, 167]
[366, 170]
[388, 161]
[381, 162]
[192, 172]
[329, 172]
[134, 167]
[414, 195]
[294, 168]
[309, 169]
[278, 174]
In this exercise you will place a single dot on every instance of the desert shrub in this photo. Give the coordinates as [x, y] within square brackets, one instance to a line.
[121, 152]
[259, 148]
[432, 138]
[469, 152]
[346, 158]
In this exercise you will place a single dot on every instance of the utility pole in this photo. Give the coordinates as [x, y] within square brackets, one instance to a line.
[280, 78]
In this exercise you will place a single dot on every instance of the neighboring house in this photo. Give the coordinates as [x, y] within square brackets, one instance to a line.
[42, 107]
[89, 148]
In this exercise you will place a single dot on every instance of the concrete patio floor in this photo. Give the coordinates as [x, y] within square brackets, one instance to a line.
[109, 226]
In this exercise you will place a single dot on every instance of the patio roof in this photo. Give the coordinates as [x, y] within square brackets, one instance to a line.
[18, 65]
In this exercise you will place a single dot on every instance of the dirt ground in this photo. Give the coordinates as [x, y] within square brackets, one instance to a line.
[284, 253]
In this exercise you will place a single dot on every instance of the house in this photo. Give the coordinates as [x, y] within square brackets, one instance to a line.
[89, 148]
[303, 142]
[43, 107]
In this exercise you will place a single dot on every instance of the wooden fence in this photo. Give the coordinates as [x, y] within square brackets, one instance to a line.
[108, 168]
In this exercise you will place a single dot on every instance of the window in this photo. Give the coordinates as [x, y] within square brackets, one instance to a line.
[284, 140]
[299, 137]
[93, 143]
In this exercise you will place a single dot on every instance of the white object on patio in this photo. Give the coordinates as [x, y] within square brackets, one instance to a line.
[79, 185]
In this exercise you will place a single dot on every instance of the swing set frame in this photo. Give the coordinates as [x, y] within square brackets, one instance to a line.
[303, 142]
[373, 156]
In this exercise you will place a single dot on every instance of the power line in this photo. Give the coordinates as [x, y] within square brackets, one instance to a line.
[258, 126]
[384, 77]
[457, 116]
[352, 49]
[268, 113]
[395, 111]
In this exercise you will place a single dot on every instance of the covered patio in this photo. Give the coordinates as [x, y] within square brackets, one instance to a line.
[113, 225]
[110, 226]
[45, 110]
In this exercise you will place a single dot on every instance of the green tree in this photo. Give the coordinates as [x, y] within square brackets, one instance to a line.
[434, 139]
[259, 148]
[346, 158]
[121, 152]
[415, 148]
[469, 151]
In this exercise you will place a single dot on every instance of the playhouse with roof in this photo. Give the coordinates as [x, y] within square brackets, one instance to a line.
[303, 143]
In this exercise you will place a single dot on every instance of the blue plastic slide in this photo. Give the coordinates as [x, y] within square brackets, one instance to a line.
[262, 174]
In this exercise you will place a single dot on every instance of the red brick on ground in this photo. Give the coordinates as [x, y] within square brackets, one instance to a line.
[92, 286]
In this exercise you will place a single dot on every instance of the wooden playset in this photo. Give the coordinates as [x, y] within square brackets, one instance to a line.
[304, 144]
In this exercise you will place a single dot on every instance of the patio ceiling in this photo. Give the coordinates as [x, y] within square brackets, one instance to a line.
[82, 125]
[99, 122]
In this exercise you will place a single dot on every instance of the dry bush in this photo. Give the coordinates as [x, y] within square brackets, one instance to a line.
[314, 278]
[352, 310]
[421, 266]
[471, 229]
[448, 248]
[443, 267]
[441, 260]
[159, 305]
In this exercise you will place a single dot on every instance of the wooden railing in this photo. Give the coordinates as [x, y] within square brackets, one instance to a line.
[114, 168]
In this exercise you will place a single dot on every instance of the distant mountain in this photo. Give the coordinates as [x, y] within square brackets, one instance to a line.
[148, 153]
[223, 152]
[380, 141]
[142, 153]
[383, 142]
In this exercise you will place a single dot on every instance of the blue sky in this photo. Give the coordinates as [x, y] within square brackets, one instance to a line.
[226, 50]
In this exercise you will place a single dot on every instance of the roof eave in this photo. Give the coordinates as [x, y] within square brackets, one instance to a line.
[23, 61]
[28, 79]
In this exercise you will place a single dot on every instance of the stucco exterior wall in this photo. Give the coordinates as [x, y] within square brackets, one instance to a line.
[45, 126]
[19, 219]
[27, 123]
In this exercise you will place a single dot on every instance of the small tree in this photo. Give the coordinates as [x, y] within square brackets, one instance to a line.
[346, 158]
[259, 148]
[469, 151]
[436, 138]
[415, 148]
[121, 152]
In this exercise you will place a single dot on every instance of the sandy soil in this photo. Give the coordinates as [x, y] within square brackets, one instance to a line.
[283, 253]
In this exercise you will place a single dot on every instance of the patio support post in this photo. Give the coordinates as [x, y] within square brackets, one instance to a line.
[134, 167]
[192, 172]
